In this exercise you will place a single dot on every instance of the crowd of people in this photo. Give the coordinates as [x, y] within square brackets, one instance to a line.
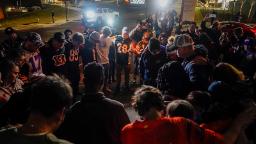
[196, 85]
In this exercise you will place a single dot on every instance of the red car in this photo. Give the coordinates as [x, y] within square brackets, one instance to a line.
[229, 26]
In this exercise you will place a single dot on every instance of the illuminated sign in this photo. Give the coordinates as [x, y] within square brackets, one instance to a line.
[137, 1]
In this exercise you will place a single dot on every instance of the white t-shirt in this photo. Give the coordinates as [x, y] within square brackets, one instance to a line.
[103, 49]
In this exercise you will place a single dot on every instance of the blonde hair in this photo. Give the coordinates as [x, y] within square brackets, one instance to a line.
[171, 40]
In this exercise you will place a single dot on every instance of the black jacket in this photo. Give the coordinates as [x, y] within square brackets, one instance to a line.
[53, 61]
[94, 120]
[150, 64]
[212, 33]
[87, 53]
[199, 71]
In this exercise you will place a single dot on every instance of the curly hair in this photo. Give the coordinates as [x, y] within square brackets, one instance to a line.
[147, 97]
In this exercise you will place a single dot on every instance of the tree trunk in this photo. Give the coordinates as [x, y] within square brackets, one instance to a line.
[250, 11]
[241, 6]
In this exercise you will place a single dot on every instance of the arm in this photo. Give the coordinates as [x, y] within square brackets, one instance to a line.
[239, 123]
[122, 120]
[199, 73]
[133, 32]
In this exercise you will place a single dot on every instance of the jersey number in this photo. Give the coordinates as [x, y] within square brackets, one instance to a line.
[59, 60]
[73, 55]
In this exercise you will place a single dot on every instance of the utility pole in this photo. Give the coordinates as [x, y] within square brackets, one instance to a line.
[66, 9]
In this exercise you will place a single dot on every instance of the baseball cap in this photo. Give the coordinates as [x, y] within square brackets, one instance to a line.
[9, 30]
[183, 40]
[35, 38]
[59, 36]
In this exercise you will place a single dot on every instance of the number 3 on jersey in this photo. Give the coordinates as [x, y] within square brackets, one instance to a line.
[59, 60]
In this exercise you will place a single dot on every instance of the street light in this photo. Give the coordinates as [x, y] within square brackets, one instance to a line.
[162, 3]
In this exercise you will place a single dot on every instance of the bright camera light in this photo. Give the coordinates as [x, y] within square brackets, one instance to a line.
[110, 22]
[162, 3]
[90, 14]
[9, 9]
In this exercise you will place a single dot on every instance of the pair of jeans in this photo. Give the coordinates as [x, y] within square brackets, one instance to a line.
[119, 69]
[112, 71]
[106, 74]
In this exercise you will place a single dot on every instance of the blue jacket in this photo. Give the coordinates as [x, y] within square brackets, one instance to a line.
[199, 72]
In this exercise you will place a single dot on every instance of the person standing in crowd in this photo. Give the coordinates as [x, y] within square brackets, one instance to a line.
[53, 55]
[123, 58]
[163, 38]
[72, 53]
[137, 33]
[95, 119]
[68, 35]
[193, 32]
[87, 32]
[12, 42]
[180, 108]
[201, 101]
[51, 97]
[112, 63]
[88, 52]
[155, 129]
[195, 61]
[151, 60]
[214, 34]
[21, 58]
[53, 16]
[139, 48]
[173, 81]
[103, 54]
[32, 44]
[9, 82]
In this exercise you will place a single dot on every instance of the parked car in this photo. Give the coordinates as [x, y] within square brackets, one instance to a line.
[100, 16]
[229, 26]
[17, 9]
[36, 8]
